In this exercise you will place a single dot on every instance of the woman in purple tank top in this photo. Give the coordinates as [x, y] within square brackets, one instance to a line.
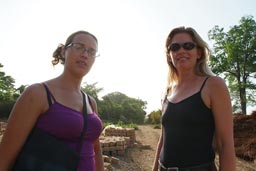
[56, 106]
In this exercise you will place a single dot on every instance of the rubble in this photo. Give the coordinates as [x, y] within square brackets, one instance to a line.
[245, 136]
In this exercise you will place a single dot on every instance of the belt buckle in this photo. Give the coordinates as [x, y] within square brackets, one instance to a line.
[172, 169]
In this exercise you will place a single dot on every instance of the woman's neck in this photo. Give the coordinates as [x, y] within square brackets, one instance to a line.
[69, 83]
[186, 78]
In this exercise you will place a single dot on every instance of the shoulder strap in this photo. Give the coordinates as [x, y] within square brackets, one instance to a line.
[203, 84]
[90, 102]
[49, 95]
[84, 116]
[85, 121]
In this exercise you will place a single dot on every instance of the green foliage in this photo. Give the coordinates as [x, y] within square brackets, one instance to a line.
[130, 125]
[117, 107]
[154, 117]
[106, 123]
[5, 108]
[121, 124]
[157, 126]
[234, 57]
[8, 93]
[7, 89]
[92, 90]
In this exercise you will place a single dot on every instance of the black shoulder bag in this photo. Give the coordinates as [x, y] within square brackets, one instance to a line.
[43, 152]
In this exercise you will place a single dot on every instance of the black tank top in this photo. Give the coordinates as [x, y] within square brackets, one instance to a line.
[188, 132]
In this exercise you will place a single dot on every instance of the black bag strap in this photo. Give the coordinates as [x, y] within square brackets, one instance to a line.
[49, 95]
[85, 117]
[85, 121]
[90, 102]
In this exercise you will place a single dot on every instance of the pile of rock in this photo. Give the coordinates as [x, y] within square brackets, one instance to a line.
[113, 145]
[2, 127]
[109, 161]
[244, 136]
[112, 130]
[115, 140]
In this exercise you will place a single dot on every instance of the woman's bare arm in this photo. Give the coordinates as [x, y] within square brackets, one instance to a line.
[23, 117]
[222, 110]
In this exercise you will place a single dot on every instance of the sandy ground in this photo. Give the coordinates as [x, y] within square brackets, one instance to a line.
[141, 156]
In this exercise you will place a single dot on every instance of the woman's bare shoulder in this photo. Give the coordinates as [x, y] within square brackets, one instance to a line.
[33, 96]
[216, 86]
[216, 81]
[35, 89]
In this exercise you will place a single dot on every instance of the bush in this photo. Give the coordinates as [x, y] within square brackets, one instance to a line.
[5, 109]
[121, 124]
[157, 126]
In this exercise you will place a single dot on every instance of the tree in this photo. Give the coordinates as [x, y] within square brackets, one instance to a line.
[119, 107]
[7, 89]
[234, 56]
[19, 91]
[154, 117]
[116, 106]
[92, 90]
[8, 93]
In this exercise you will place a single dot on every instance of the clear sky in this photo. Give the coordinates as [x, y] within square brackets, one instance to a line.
[131, 35]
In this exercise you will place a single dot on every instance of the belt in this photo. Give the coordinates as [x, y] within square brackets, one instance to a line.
[204, 167]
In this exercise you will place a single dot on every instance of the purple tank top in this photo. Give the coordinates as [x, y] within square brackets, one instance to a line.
[67, 124]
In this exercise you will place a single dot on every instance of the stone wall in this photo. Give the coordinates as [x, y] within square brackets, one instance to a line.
[115, 140]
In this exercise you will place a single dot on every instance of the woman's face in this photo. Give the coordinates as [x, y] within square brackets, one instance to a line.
[80, 54]
[183, 52]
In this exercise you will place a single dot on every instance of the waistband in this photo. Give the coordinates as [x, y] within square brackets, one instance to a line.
[203, 167]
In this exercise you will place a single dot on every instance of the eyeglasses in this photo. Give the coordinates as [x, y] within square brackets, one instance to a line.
[174, 47]
[79, 47]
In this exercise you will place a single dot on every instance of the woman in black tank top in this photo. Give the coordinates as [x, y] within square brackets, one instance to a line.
[196, 110]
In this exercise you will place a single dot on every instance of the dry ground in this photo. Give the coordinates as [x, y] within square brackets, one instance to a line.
[141, 156]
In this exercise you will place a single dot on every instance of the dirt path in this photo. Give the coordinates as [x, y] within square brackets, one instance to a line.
[141, 156]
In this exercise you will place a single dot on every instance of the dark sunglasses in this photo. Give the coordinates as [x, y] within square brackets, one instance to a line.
[174, 47]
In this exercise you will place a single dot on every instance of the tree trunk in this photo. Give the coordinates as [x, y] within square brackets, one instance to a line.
[243, 100]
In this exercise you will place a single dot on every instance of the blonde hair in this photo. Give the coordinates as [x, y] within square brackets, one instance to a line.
[202, 68]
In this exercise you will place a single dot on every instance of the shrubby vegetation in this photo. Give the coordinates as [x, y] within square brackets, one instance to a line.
[154, 117]
[8, 93]
[117, 107]
[121, 124]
